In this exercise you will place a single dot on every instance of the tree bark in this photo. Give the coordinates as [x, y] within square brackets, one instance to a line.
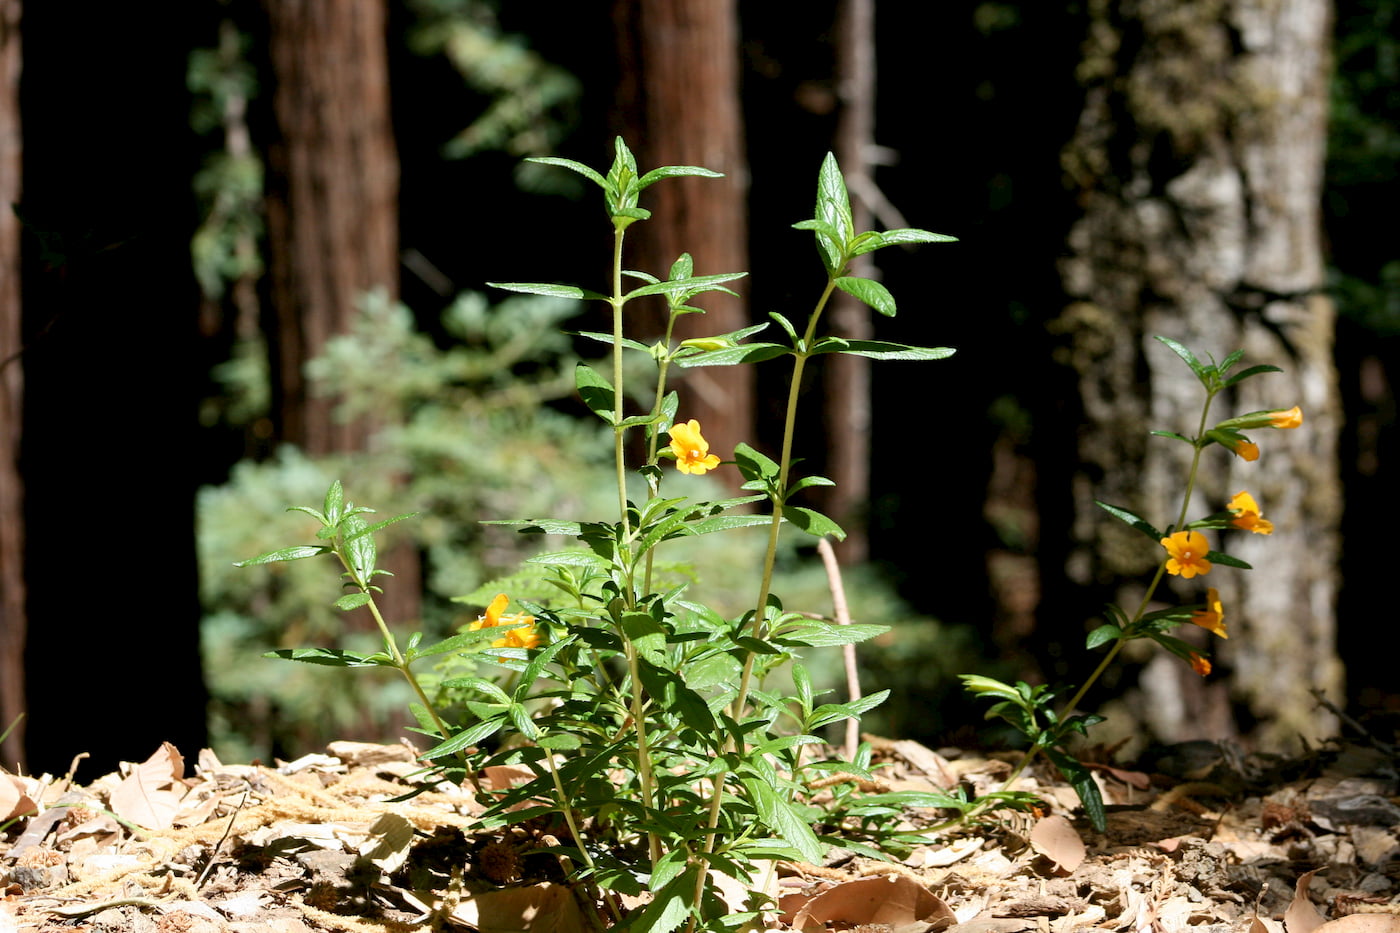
[679, 95]
[1198, 163]
[332, 215]
[12, 611]
[333, 194]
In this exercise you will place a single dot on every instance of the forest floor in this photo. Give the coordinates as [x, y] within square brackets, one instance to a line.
[1209, 840]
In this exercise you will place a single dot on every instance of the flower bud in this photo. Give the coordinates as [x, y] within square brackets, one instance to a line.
[1273, 418]
[1235, 442]
[709, 343]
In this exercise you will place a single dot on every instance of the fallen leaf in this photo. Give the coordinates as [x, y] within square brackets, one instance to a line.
[1302, 916]
[15, 801]
[890, 899]
[150, 795]
[1361, 923]
[539, 908]
[1054, 838]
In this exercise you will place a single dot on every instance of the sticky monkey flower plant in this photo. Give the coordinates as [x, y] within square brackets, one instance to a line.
[662, 759]
[1186, 553]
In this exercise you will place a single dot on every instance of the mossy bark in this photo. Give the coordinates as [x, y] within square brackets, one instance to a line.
[1198, 166]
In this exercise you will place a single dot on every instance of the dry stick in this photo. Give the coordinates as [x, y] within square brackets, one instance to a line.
[848, 651]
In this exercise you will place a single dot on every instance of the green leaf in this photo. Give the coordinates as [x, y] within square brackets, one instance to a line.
[1132, 518]
[648, 635]
[1102, 635]
[1083, 783]
[691, 286]
[286, 553]
[1173, 435]
[335, 502]
[780, 816]
[813, 522]
[675, 171]
[572, 166]
[608, 339]
[880, 349]
[1185, 354]
[754, 465]
[834, 208]
[352, 601]
[466, 738]
[360, 550]
[835, 712]
[869, 291]
[976, 683]
[458, 642]
[670, 905]
[733, 356]
[1225, 560]
[546, 288]
[870, 241]
[332, 657]
[597, 393]
[814, 633]
[1251, 371]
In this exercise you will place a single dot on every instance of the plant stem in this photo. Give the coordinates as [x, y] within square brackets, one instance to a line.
[618, 452]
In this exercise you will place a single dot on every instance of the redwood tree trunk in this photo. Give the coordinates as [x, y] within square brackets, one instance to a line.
[333, 193]
[679, 95]
[1198, 161]
[12, 614]
[332, 216]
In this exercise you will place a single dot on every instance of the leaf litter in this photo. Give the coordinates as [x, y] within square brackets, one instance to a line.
[325, 843]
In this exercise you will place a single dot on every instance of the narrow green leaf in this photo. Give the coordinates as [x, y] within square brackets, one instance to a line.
[868, 242]
[670, 904]
[1132, 518]
[351, 601]
[675, 171]
[780, 816]
[1082, 781]
[1186, 355]
[1251, 371]
[466, 738]
[733, 356]
[1173, 435]
[547, 288]
[597, 393]
[752, 464]
[880, 349]
[572, 166]
[332, 657]
[980, 685]
[286, 553]
[812, 522]
[869, 291]
[1102, 635]
[360, 551]
[335, 502]
[1225, 560]
[608, 339]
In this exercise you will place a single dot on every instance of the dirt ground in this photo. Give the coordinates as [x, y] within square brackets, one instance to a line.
[1205, 838]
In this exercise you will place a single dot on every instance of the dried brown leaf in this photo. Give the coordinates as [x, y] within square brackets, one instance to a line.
[1302, 916]
[150, 795]
[890, 899]
[539, 908]
[1056, 839]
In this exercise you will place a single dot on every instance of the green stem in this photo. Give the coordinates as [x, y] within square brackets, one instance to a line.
[736, 708]
[568, 812]
[1198, 444]
[619, 455]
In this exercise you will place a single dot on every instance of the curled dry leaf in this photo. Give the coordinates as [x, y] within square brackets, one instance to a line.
[1302, 916]
[891, 899]
[150, 795]
[1054, 838]
[15, 801]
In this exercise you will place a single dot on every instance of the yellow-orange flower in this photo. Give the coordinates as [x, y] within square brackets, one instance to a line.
[1291, 418]
[523, 635]
[1246, 450]
[1212, 617]
[1188, 550]
[1248, 516]
[1199, 664]
[691, 449]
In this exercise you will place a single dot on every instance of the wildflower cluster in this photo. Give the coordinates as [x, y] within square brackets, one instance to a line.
[1188, 554]
[661, 760]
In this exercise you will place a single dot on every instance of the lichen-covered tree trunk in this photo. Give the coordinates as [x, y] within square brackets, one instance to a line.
[1198, 162]
[12, 615]
[679, 98]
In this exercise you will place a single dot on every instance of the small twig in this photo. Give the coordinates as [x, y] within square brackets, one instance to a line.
[848, 651]
[209, 866]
